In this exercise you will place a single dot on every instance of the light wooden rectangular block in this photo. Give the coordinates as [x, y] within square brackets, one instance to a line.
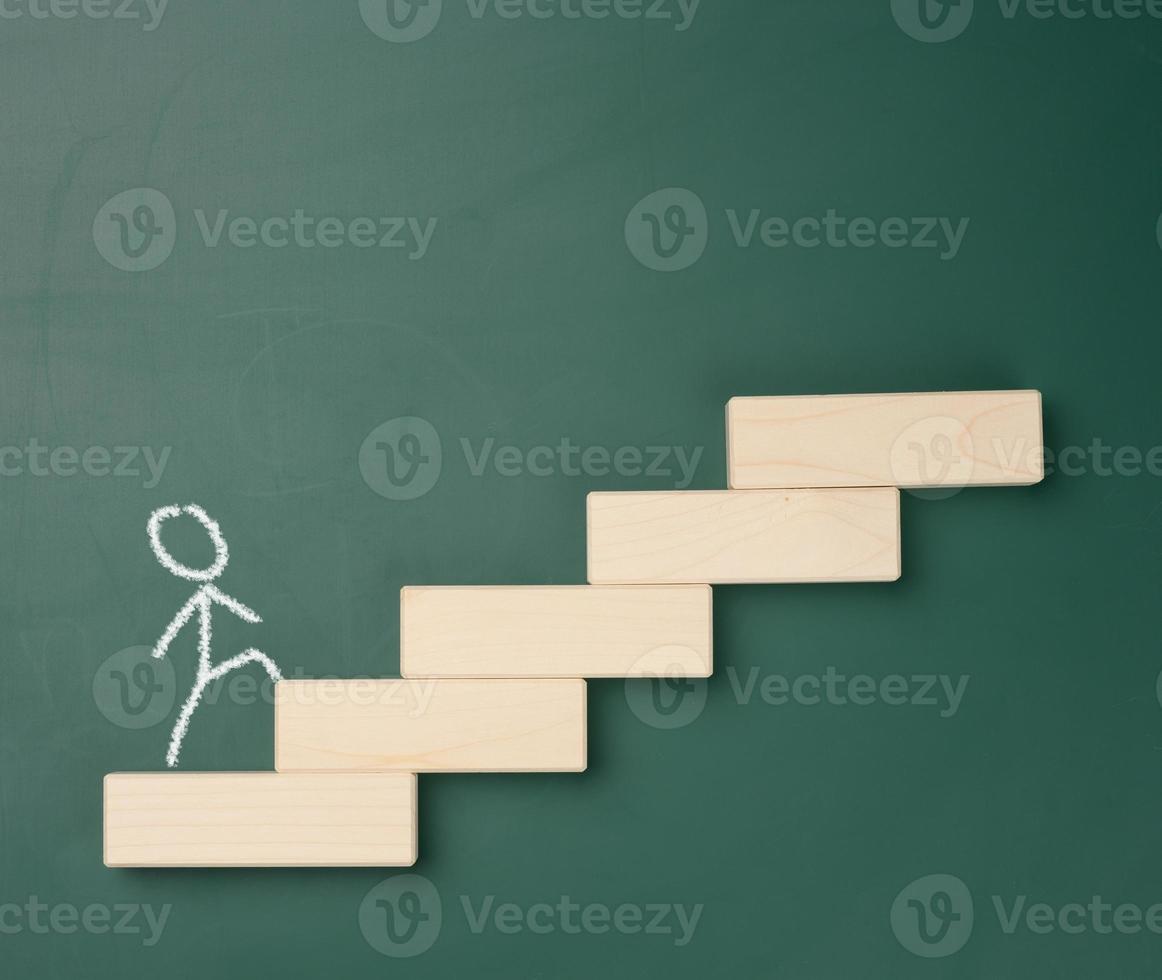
[259, 820]
[555, 631]
[745, 536]
[942, 439]
[430, 725]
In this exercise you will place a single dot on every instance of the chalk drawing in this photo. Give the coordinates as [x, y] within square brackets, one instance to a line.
[201, 602]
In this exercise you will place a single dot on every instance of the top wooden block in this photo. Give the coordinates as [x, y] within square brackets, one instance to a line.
[940, 439]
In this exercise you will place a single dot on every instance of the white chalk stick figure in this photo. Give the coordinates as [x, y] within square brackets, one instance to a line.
[200, 602]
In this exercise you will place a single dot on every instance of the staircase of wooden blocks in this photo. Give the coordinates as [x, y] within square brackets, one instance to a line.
[494, 678]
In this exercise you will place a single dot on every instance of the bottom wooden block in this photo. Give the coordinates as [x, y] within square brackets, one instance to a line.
[259, 819]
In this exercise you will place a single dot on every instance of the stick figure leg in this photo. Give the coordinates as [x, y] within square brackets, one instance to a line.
[205, 678]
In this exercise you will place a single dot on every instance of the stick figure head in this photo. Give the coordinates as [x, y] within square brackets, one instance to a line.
[168, 562]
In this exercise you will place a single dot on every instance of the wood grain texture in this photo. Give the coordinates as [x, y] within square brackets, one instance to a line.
[259, 820]
[555, 631]
[941, 439]
[431, 725]
[745, 536]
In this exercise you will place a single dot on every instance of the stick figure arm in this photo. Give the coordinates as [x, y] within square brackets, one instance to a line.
[236, 607]
[172, 630]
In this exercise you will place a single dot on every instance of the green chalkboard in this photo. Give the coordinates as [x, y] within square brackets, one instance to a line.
[337, 271]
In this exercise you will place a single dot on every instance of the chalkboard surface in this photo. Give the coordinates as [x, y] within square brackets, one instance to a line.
[388, 289]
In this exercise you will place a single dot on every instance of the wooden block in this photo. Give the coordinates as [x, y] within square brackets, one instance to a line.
[555, 631]
[745, 536]
[944, 439]
[430, 725]
[259, 820]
